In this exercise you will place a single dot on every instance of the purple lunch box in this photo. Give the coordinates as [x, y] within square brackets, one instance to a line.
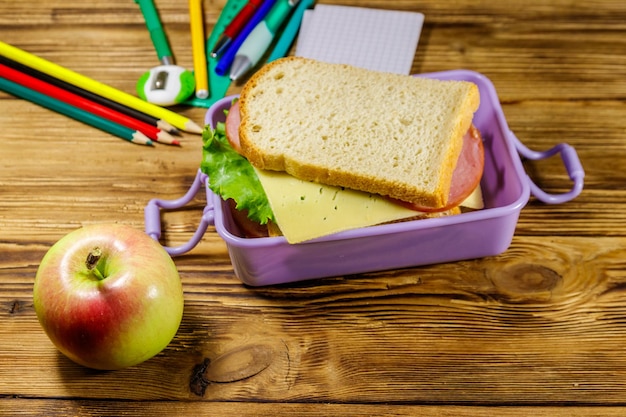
[506, 190]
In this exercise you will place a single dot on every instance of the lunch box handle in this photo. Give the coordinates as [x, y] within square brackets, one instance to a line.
[572, 165]
[152, 215]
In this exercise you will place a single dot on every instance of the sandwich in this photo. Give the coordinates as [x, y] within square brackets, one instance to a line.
[313, 148]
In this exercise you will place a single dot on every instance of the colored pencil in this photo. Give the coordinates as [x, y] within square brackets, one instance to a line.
[26, 80]
[92, 85]
[136, 114]
[74, 112]
[200, 63]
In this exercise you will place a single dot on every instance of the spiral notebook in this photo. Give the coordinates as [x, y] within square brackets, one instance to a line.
[376, 39]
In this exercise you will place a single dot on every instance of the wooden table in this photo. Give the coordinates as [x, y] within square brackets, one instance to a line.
[537, 330]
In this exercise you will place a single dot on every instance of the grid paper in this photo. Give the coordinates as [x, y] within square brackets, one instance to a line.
[376, 39]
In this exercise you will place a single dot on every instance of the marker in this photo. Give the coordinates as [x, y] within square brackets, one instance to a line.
[259, 40]
[196, 23]
[235, 27]
[157, 33]
[225, 61]
[290, 31]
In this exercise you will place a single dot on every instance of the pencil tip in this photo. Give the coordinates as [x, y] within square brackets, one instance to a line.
[141, 139]
[191, 127]
[163, 125]
[164, 137]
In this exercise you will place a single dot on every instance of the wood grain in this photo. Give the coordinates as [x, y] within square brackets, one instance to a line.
[538, 330]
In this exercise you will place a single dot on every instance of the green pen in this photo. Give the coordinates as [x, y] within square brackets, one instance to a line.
[290, 31]
[157, 33]
[259, 40]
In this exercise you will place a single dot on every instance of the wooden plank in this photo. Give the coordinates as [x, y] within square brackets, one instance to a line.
[538, 330]
[53, 408]
[541, 323]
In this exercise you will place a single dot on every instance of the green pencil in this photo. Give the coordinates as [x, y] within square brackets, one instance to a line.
[74, 112]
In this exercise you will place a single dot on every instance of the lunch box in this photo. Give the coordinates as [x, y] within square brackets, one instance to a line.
[505, 186]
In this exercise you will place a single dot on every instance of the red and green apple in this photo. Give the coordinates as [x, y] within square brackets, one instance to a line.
[108, 296]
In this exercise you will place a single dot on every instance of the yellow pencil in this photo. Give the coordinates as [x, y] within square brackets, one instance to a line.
[94, 86]
[196, 22]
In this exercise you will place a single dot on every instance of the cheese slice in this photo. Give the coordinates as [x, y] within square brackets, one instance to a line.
[305, 210]
[474, 200]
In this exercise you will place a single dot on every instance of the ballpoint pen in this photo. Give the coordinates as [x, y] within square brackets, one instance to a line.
[157, 33]
[225, 61]
[259, 40]
[290, 31]
[235, 27]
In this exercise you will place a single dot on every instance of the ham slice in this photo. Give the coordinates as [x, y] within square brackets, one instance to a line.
[467, 173]
[233, 119]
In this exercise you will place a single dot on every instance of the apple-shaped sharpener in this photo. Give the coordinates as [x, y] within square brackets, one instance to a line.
[166, 85]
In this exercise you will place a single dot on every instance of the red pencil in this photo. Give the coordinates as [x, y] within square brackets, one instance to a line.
[70, 98]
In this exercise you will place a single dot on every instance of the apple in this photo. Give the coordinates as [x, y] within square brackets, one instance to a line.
[108, 296]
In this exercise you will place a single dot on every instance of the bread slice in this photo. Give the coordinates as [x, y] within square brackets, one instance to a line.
[334, 124]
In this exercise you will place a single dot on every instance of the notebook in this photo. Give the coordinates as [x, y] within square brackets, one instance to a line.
[376, 39]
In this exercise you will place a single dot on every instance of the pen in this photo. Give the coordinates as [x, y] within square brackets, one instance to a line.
[157, 34]
[257, 42]
[196, 23]
[235, 27]
[290, 31]
[227, 58]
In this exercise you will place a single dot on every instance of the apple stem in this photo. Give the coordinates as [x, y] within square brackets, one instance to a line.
[93, 258]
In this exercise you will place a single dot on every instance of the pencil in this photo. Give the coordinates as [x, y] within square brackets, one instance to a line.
[136, 114]
[26, 80]
[94, 86]
[197, 43]
[74, 112]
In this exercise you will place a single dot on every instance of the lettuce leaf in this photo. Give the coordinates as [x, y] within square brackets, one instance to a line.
[232, 176]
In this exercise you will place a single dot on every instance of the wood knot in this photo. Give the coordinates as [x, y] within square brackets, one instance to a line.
[526, 283]
[235, 365]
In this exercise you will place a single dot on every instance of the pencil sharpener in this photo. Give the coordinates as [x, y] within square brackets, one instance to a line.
[166, 85]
